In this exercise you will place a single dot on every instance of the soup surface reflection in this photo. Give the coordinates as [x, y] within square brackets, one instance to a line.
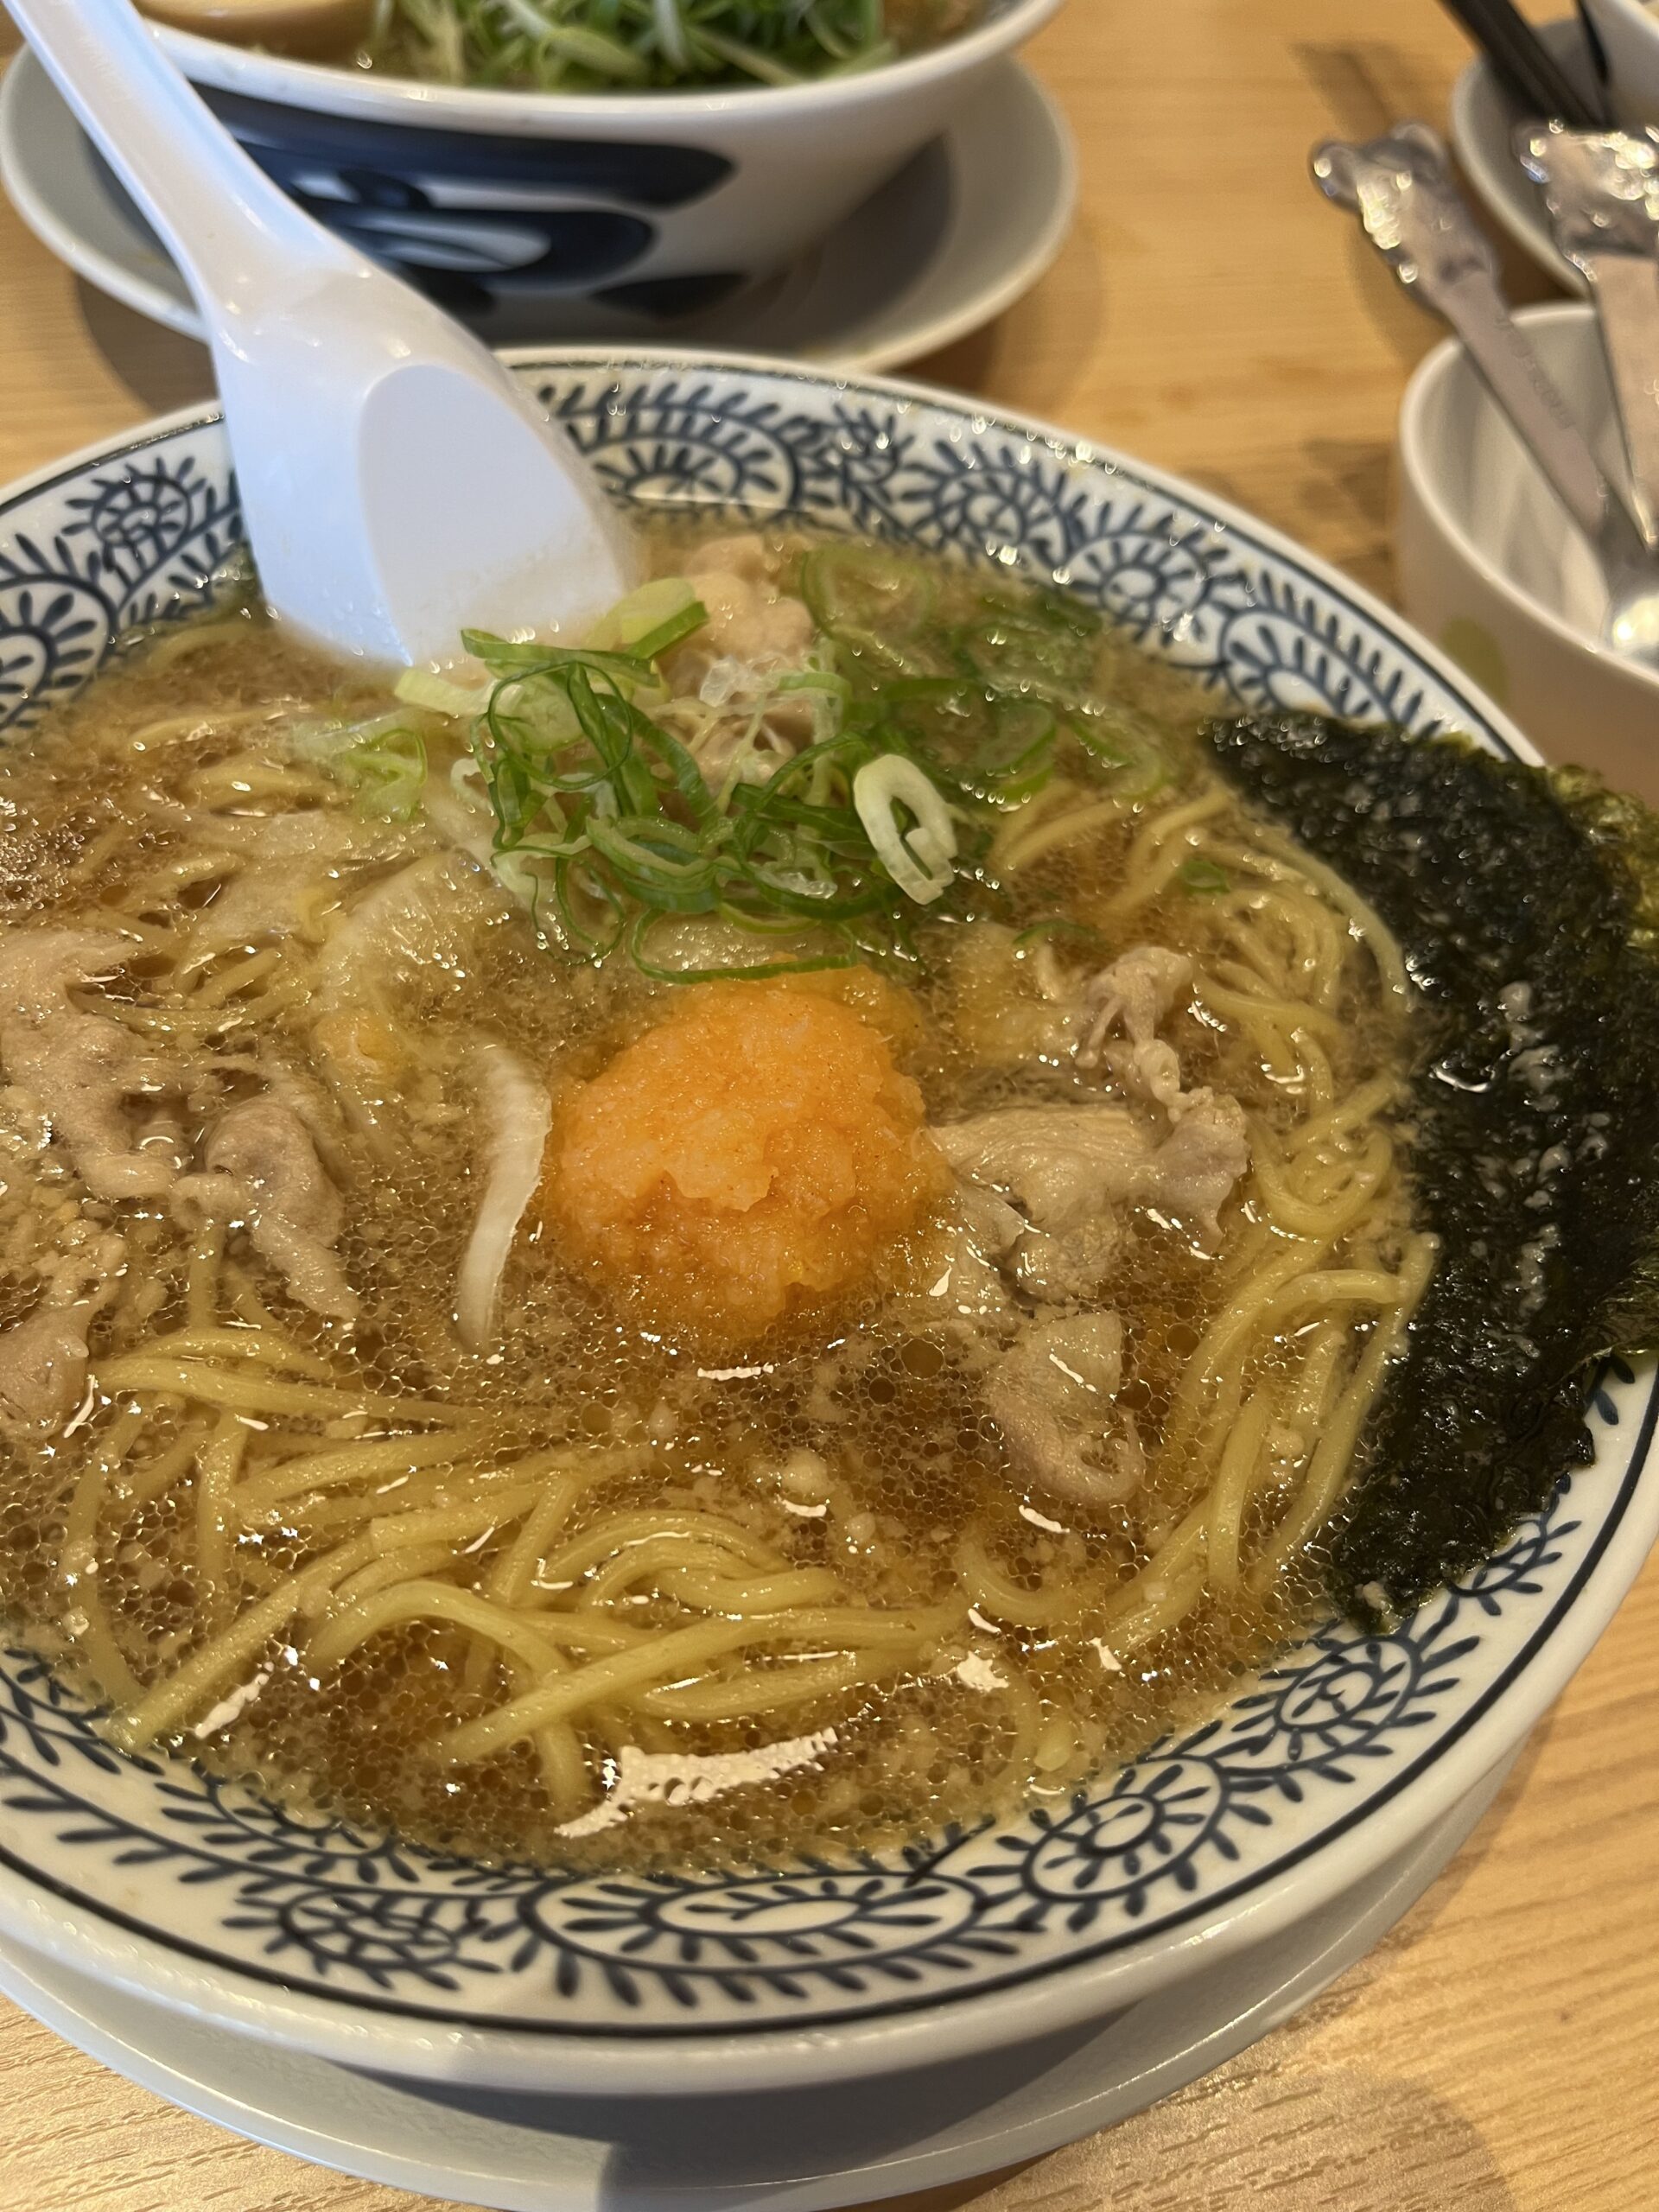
[761, 1237]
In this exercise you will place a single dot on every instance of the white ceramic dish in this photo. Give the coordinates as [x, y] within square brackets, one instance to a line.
[1490, 567]
[1630, 39]
[664, 201]
[785, 2153]
[1483, 119]
[951, 241]
[347, 1946]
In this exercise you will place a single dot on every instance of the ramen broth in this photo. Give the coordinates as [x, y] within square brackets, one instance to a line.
[911, 1384]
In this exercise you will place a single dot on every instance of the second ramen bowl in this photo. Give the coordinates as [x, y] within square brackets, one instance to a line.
[145, 1874]
[503, 204]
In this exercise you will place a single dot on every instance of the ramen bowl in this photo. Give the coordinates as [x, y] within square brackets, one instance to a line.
[147, 1873]
[504, 206]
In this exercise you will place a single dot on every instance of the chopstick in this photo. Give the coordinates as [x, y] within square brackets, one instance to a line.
[1598, 53]
[1527, 65]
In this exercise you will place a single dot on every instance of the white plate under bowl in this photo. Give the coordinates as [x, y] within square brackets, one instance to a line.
[1484, 115]
[941, 248]
[785, 2153]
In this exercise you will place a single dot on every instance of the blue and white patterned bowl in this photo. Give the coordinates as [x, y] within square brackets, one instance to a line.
[520, 210]
[355, 1948]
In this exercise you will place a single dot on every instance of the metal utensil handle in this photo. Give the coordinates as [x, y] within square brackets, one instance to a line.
[1474, 307]
[1626, 289]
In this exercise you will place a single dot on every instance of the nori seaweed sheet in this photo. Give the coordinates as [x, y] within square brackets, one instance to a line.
[1525, 903]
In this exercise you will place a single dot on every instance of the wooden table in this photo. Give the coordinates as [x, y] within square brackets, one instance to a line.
[1499, 2052]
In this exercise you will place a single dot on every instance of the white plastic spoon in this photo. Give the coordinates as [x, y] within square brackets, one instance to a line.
[398, 485]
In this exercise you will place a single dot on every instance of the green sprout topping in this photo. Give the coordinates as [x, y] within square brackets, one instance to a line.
[642, 45]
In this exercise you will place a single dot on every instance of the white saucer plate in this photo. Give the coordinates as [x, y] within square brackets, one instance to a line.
[1483, 115]
[832, 2146]
[941, 248]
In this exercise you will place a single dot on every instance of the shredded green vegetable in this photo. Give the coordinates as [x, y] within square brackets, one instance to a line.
[1204, 879]
[641, 45]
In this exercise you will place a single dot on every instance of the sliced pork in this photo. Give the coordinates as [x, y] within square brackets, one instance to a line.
[98, 1084]
[420, 926]
[43, 1366]
[1195, 1169]
[262, 1168]
[1131, 1000]
[1060, 1165]
[1066, 1164]
[748, 617]
[1136, 995]
[1053, 1394]
[279, 874]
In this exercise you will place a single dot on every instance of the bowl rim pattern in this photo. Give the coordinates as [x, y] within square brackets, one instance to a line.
[1192, 573]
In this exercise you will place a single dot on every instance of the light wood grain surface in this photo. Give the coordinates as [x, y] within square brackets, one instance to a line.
[1499, 2052]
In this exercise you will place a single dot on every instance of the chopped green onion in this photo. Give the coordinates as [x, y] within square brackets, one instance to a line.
[425, 687]
[673, 630]
[1019, 759]
[1204, 879]
[758, 971]
[917, 859]
[816, 679]
[1137, 761]
[603, 818]
[1043, 645]
[1060, 925]
[382, 759]
[861, 590]
[604, 823]
[668, 604]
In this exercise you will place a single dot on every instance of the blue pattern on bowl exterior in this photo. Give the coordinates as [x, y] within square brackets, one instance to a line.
[482, 223]
[150, 1871]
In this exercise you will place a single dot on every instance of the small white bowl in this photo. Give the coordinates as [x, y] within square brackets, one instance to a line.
[661, 204]
[1489, 566]
[1630, 38]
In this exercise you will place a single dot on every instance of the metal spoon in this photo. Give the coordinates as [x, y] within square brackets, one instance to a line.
[397, 484]
[1401, 187]
[1602, 191]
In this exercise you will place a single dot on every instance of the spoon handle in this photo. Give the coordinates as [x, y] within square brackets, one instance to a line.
[1625, 286]
[1473, 304]
[1400, 187]
[231, 231]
